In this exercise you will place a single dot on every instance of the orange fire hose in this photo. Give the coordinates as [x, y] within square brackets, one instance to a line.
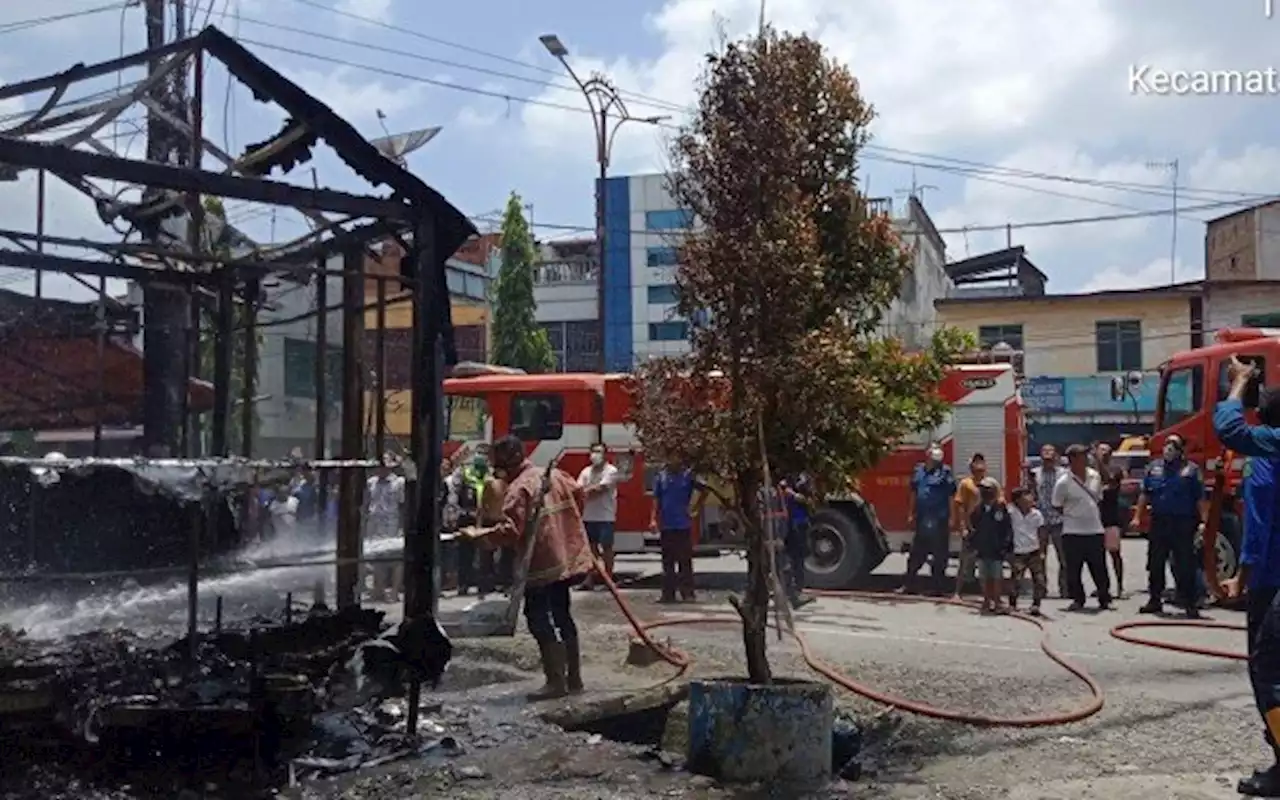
[682, 662]
[1209, 555]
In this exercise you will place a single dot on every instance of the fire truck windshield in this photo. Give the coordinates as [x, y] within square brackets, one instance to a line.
[466, 417]
[1181, 394]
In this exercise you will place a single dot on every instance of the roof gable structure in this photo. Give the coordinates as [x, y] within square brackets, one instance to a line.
[343, 221]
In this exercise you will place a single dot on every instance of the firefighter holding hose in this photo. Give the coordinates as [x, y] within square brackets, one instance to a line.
[1259, 575]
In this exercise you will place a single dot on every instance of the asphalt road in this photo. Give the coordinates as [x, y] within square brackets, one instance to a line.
[1175, 726]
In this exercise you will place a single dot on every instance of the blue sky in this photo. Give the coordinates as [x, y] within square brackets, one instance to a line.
[1009, 112]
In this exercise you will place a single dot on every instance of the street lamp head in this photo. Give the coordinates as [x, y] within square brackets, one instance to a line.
[654, 120]
[553, 44]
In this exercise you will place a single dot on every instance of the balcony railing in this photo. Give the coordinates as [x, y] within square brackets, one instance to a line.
[559, 273]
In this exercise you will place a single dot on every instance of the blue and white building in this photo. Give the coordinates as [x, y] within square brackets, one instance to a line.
[643, 229]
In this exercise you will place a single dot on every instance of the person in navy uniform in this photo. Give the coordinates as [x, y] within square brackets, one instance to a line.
[1259, 576]
[1173, 491]
[929, 514]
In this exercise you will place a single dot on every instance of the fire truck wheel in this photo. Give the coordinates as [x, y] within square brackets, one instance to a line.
[1227, 546]
[837, 551]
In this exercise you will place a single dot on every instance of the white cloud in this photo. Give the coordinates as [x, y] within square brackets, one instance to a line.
[1043, 90]
[1155, 273]
[356, 99]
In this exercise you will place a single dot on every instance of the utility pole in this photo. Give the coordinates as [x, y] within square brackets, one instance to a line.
[1173, 168]
[165, 309]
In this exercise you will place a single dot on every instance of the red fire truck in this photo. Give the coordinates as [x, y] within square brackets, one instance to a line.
[1191, 384]
[562, 415]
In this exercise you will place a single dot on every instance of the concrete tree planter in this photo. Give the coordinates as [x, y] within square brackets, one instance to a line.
[741, 732]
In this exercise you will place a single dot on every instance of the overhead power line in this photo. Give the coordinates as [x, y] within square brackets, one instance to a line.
[37, 22]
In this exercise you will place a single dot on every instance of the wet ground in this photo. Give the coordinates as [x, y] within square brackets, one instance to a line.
[1174, 726]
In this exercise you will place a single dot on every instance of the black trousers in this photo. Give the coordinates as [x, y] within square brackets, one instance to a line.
[1086, 550]
[797, 546]
[547, 610]
[677, 563]
[932, 542]
[1264, 656]
[1171, 541]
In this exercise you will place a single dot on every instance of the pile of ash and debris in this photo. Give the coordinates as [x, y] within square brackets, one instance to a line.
[249, 709]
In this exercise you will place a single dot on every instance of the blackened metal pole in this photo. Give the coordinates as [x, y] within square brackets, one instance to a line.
[249, 383]
[380, 373]
[165, 311]
[222, 363]
[351, 481]
[422, 534]
[195, 241]
[40, 199]
[101, 401]
[321, 384]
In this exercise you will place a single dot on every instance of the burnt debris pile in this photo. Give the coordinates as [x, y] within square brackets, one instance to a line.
[115, 714]
[108, 517]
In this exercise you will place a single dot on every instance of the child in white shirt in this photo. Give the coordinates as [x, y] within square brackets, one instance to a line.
[1028, 549]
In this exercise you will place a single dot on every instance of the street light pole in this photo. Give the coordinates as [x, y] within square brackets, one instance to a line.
[603, 101]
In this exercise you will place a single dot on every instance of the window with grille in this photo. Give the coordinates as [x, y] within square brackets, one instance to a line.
[991, 335]
[300, 370]
[662, 257]
[662, 295]
[675, 219]
[668, 331]
[1119, 345]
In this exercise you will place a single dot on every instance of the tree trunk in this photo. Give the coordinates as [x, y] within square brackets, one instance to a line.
[755, 611]
[755, 604]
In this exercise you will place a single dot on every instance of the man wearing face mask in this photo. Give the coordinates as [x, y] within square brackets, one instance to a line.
[1173, 493]
[599, 482]
[928, 514]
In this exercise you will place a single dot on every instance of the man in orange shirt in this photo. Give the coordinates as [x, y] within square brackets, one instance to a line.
[968, 498]
[561, 557]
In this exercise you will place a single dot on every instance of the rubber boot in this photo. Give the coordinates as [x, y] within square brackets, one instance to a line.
[573, 667]
[553, 656]
[1263, 783]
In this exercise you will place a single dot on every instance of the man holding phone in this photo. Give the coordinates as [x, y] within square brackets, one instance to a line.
[1259, 575]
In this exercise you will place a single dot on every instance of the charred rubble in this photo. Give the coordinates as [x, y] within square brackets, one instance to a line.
[248, 709]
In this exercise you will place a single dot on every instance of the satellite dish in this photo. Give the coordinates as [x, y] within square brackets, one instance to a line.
[397, 146]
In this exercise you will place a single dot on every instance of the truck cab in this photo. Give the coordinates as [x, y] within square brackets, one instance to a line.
[1191, 385]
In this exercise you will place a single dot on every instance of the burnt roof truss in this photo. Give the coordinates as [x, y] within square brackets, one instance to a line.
[63, 138]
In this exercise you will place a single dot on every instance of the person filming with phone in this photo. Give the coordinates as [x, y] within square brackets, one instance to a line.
[1259, 576]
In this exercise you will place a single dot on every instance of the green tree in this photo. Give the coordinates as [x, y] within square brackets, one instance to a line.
[789, 275]
[518, 341]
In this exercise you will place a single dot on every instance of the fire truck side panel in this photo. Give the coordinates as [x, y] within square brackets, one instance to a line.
[986, 417]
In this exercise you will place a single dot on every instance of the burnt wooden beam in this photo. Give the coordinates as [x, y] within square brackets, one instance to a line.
[81, 72]
[101, 269]
[37, 155]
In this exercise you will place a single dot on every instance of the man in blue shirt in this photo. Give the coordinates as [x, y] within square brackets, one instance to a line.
[1259, 575]
[928, 514]
[799, 495]
[673, 498]
[1173, 490]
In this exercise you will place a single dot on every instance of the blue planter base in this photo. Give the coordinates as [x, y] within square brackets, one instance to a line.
[740, 732]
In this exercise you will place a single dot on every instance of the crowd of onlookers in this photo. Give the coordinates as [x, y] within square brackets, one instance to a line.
[1071, 508]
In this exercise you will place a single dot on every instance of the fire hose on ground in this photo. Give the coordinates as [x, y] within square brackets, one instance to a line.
[1209, 554]
[683, 662]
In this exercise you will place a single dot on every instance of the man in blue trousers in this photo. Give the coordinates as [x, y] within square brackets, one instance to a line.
[1259, 576]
